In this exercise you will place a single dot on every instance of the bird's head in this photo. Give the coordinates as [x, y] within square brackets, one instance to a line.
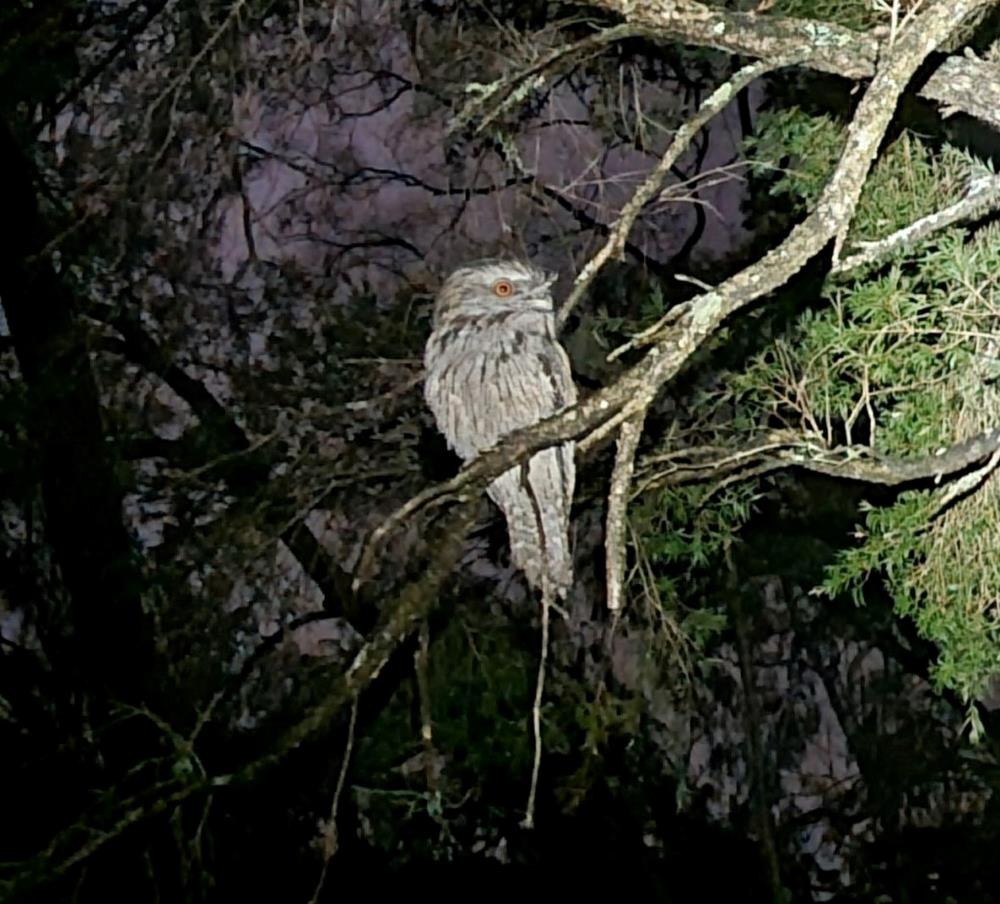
[495, 286]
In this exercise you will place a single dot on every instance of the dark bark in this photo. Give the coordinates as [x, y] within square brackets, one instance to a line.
[111, 642]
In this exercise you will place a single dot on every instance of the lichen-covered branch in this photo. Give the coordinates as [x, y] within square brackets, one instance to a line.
[962, 83]
[982, 197]
[828, 47]
[618, 497]
[835, 209]
[965, 84]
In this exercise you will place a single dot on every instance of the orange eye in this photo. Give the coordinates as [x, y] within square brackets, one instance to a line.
[503, 288]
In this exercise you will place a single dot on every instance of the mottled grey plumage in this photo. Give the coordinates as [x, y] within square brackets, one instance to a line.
[494, 365]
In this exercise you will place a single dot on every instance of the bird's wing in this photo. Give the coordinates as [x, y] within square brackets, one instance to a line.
[478, 398]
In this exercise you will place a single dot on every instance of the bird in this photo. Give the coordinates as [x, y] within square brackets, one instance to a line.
[493, 365]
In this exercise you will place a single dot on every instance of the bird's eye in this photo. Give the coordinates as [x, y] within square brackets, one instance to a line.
[503, 288]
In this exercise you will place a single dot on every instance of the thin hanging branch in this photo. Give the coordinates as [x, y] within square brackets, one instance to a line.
[329, 834]
[536, 707]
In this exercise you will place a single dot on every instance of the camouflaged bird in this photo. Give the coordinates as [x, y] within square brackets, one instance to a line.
[494, 365]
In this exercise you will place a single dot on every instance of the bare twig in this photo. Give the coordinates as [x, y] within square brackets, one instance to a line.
[329, 828]
[536, 708]
[505, 91]
[599, 434]
[421, 662]
[650, 188]
[173, 89]
[78, 85]
[86, 840]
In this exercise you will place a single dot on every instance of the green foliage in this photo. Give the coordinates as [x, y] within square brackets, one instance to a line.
[881, 547]
[629, 302]
[684, 530]
[797, 151]
[481, 687]
[902, 360]
[480, 692]
[868, 369]
[911, 180]
[856, 14]
[947, 585]
[685, 533]
[877, 356]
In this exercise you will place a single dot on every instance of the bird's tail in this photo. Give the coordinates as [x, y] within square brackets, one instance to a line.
[536, 499]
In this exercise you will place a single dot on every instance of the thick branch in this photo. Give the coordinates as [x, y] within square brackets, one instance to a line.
[828, 47]
[964, 84]
[961, 83]
[401, 617]
[833, 213]
[892, 472]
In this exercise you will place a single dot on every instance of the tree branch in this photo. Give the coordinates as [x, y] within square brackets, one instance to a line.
[690, 326]
[717, 101]
[618, 497]
[965, 84]
[787, 449]
[982, 197]
[400, 618]
[825, 46]
[961, 83]
[835, 209]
